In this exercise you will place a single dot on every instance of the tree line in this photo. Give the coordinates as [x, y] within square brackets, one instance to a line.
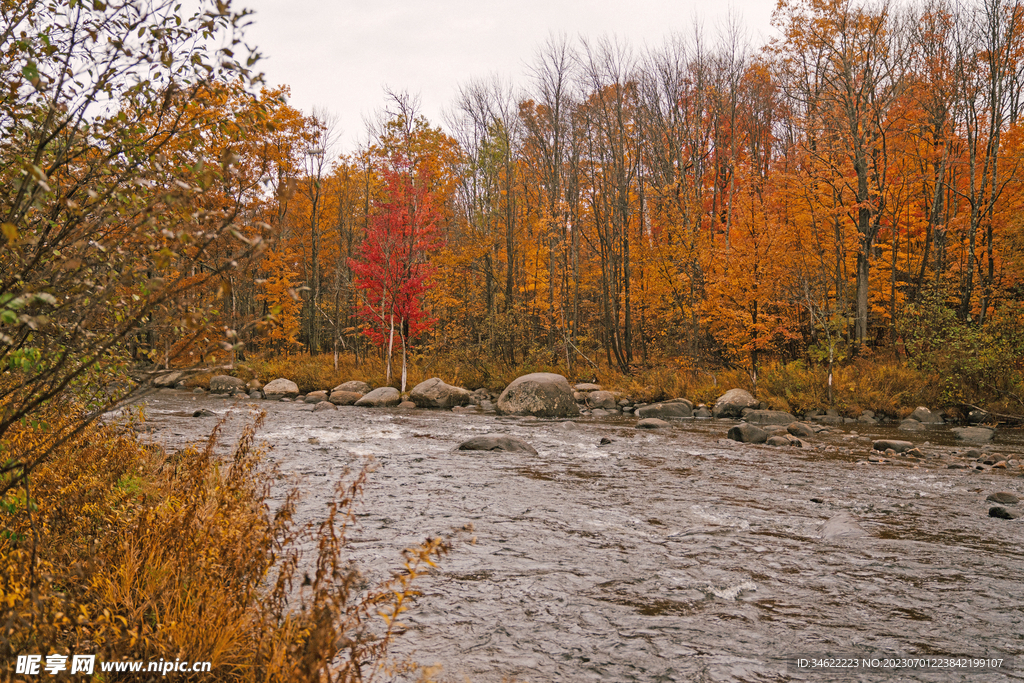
[849, 186]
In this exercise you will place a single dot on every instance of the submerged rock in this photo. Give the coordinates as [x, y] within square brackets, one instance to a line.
[975, 434]
[324, 405]
[1004, 497]
[843, 525]
[496, 442]
[784, 440]
[652, 423]
[909, 425]
[895, 445]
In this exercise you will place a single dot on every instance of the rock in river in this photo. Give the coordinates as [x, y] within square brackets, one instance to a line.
[315, 397]
[1002, 513]
[843, 525]
[801, 430]
[543, 394]
[434, 393]
[354, 386]
[324, 405]
[732, 403]
[345, 398]
[281, 388]
[602, 399]
[1003, 497]
[225, 384]
[384, 397]
[666, 410]
[651, 423]
[909, 425]
[922, 414]
[748, 433]
[975, 434]
[768, 417]
[898, 446]
[496, 442]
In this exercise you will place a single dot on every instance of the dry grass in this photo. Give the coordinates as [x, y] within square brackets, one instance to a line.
[117, 550]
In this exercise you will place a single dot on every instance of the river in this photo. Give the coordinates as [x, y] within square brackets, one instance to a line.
[665, 555]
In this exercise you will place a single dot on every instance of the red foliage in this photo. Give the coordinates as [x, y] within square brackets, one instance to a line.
[392, 271]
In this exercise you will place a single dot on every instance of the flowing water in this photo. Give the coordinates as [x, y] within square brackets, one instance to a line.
[666, 555]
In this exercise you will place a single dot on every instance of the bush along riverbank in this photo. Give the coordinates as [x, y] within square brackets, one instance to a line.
[124, 552]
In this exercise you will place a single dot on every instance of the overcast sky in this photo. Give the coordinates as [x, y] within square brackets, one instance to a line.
[340, 54]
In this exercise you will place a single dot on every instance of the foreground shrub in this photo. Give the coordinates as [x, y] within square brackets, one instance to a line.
[113, 549]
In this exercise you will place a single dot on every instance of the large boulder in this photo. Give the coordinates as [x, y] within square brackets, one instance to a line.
[732, 403]
[281, 388]
[384, 397]
[354, 386]
[768, 417]
[543, 394]
[226, 384]
[748, 433]
[345, 398]
[664, 410]
[497, 442]
[433, 393]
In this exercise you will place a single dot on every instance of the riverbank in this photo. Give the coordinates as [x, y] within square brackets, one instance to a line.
[886, 388]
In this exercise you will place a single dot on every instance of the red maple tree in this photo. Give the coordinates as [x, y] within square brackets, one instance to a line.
[392, 272]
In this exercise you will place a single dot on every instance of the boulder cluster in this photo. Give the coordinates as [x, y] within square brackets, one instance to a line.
[548, 395]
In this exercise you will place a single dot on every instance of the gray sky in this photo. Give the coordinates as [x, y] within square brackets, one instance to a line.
[339, 55]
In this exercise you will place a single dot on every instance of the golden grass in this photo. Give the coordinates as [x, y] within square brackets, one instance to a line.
[121, 551]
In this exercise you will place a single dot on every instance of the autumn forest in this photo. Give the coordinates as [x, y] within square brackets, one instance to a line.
[831, 220]
[849, 187]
